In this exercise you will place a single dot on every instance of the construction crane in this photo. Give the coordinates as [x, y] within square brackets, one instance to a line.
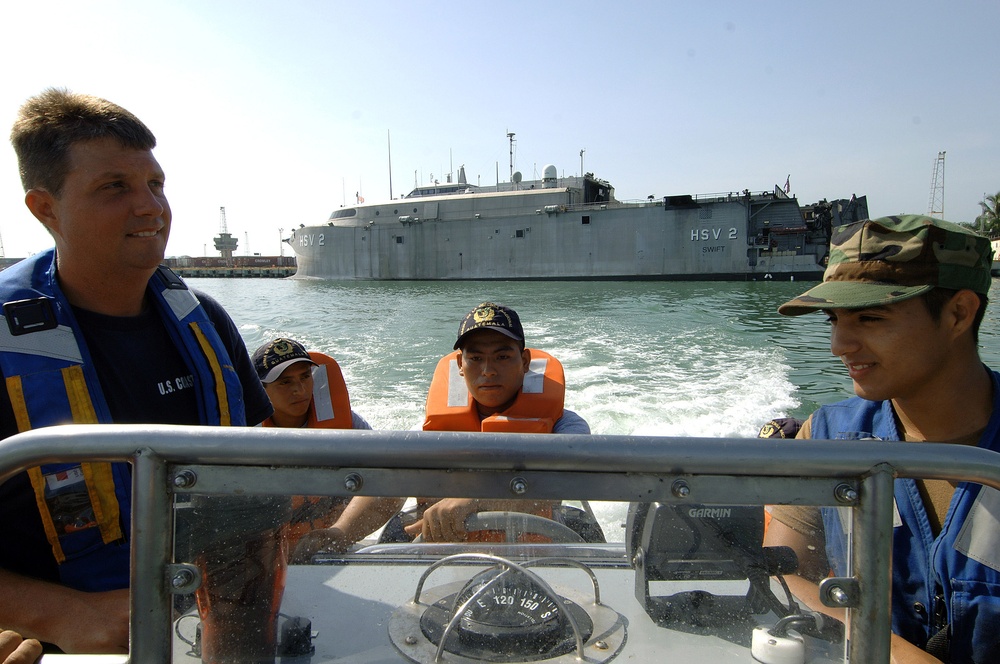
[936, 206]
[225, 243]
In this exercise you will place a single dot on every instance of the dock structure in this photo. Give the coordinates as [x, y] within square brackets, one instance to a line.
[236, 272]
[234, 267]
[245, 267]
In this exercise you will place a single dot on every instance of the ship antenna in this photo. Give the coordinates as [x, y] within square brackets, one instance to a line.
[510, 137]
[388, 141]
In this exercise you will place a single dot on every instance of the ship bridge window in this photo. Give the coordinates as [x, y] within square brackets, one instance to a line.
[585, 220]
[340, 214]
[519, 232]
[399, 239]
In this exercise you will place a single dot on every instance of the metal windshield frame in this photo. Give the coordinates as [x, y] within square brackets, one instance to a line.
[167, 460]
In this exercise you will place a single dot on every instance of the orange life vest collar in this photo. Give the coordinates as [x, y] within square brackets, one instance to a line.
[331, 404]
[536, 409]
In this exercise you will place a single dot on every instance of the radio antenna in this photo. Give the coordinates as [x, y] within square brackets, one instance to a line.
[510, 137]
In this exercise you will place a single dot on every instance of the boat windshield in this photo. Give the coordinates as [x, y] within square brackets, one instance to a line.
[591, 548]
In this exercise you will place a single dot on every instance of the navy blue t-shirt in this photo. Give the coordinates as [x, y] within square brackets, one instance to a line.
[144, 380]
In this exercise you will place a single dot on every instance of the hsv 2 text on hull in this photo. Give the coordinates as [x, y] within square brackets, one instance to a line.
[572, 228]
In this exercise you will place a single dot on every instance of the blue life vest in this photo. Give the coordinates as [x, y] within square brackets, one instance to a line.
[50, 378]
[953, 579]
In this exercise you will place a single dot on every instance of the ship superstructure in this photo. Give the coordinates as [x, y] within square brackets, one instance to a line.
[572, 228]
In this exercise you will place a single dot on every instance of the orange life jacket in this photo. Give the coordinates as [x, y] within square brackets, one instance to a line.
[536, 409]
[330, 409]
[331, 404]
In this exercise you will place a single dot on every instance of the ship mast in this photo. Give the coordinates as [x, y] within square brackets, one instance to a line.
[510, 137]
[388, 140]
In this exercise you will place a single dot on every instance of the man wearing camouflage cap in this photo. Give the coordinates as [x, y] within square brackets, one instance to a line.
[905, 297]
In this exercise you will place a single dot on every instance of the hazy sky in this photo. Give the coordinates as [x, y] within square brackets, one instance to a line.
[280, 111]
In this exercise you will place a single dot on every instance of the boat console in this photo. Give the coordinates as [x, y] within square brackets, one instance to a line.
[654, 553]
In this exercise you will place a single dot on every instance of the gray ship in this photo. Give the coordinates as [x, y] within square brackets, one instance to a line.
[572, 229]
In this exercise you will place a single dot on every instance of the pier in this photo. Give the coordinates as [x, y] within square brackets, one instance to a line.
[235, 267]
[235, 272]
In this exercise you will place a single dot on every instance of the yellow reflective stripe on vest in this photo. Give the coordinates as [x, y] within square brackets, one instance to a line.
[16, 393]
[220, 384]
[100, 481]
[38, 484]
[101, 489]
[79, 396]
[81, 407]
[97, 476]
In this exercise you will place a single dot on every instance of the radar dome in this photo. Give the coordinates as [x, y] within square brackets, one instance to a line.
[516, 177]
[549, 176]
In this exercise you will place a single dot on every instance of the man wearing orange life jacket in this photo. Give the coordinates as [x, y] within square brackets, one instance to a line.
[504, 390]
[306, 390]
[509, 388]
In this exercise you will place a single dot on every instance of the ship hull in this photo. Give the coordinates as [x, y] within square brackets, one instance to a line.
[725, 238]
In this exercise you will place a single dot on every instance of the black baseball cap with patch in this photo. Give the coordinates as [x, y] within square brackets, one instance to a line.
[271, 359]
[490, 316]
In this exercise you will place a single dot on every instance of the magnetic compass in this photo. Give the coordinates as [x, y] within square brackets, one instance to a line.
[508, 614]
[505, 613]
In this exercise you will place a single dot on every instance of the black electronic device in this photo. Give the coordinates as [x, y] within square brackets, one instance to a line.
[705, 543]
[25, 316]
[695, 542]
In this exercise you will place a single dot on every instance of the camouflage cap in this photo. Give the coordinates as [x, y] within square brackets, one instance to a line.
[880, 261]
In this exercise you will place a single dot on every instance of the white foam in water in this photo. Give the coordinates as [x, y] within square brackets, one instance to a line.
[647, 359]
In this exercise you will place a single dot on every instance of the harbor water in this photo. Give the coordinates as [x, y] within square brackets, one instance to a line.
[646, 358]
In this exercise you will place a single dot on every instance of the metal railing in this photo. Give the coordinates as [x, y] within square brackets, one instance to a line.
[857, 474]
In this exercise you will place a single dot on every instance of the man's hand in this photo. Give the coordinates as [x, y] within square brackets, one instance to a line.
[444, 521]
[15, 650]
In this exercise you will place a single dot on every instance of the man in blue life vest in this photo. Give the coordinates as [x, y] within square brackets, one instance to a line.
[95, 332]
[905, 296]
